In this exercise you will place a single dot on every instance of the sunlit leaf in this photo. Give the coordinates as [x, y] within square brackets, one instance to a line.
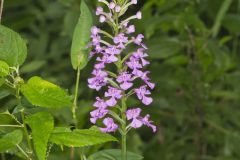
[45, 94]
[79, 138]
[10, 140]
[41, 125]
[13, 49]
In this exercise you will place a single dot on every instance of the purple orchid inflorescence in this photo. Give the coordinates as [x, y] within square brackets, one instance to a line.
[109, 49]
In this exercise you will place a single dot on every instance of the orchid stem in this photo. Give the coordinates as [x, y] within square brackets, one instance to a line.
[76, 96]
[124, 134]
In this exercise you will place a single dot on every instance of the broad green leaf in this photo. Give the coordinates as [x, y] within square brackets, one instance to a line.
[81, 37]
[45, 94]
[41, 125]
[113, 154]
[13, 49]
[4, 69]
[79, 138]
[7, 118]
[10, 140]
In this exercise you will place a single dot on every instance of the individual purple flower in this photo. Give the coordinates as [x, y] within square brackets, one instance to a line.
[99, 11]
[133, 113]
[100, 103]
[98, 81]
[112, 5]
[102, 19]
[130, 29]
[125, 80]
[112, 51]
[141, 56]
[134, 1]
[148, 123]
[137, 120]
[141, 94]
[114, 95]
[139, 15]
[138, 39]
[134, 64]
[98, 114]
[120, 39]
[110, 125]
[118, 8]
[94, 30]
[146, 79]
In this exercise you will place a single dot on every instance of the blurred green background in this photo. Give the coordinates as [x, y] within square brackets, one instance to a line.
[194, 51]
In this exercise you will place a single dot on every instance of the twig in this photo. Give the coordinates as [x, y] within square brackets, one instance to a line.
[1, 10]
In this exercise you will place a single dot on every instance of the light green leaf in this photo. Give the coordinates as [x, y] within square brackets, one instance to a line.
[81, 37]
[41, 125]
[4, 69]
[10, 140]
[45, 94]
[113, 154]
[13, 49]
[79, 138]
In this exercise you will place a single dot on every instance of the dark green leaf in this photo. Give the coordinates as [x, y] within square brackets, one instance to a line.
[41, 125]
[81, 37]
[163, 48]
[45, 94]
[13, 49]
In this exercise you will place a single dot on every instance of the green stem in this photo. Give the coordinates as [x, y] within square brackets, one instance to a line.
[23, 152]
[124, 134]
[23, 118]
[15, 126]
[26, 132]
[76, 96]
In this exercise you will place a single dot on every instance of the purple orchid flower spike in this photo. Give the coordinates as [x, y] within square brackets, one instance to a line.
[117, 71]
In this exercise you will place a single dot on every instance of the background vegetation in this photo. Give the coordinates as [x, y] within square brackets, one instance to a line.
[194, 50]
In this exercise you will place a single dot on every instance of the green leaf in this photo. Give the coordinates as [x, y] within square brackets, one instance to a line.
[4, 69]
[2, 81]
[79, 138]
[81, 37]
[163, 48]
[45, 94]
[232, 23]
[10, 140]
[13, 49]
[221, 13]
[41, 125]
[113, 154]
